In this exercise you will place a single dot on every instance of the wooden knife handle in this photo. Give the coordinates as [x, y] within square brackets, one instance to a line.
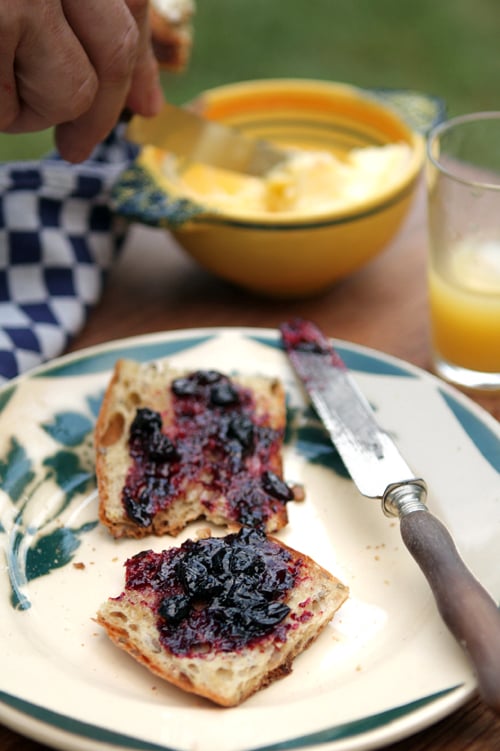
[467, 609]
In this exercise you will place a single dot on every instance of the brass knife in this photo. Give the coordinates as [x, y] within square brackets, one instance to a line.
[191, 137]
[379, 471]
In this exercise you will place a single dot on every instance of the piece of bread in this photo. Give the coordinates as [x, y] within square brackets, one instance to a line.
[172, 32]
[222, 617]
[213, 450]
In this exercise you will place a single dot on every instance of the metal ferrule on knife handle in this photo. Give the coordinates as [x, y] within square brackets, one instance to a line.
[401, 499]
[379, 471]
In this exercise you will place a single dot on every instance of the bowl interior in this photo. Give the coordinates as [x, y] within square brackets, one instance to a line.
[306, 114]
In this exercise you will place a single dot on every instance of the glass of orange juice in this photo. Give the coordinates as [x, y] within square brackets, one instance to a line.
[463, 180]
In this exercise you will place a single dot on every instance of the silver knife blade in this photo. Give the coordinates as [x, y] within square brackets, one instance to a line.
[196, 139]
[379, 471]
[368, 452]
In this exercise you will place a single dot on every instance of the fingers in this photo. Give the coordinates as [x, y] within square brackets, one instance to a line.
[75, 65]
[110, 37]
[45, 74]
[9, 99]
[10, 104]
[129, 76]
[145, 94]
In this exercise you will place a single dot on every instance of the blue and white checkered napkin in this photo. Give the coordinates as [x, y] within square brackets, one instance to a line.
[58, 237]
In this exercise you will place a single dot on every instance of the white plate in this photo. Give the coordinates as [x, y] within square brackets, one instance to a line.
[386, 666]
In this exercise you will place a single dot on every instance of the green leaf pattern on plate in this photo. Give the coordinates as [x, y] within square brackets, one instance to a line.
[39, 543]
[69, 428]
[16, 471]
[54, 550]
[305, 430]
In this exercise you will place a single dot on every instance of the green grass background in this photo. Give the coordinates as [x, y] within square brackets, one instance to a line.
[450, 48]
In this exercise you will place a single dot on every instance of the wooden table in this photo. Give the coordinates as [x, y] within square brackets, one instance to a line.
[156, 287]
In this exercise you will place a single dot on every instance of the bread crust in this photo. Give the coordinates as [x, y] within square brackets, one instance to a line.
[134, 386]
[227, 678]
[172, 34]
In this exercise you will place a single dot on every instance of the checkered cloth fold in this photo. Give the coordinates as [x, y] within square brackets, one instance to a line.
[58, 237]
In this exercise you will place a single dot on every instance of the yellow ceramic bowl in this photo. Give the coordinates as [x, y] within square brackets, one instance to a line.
[286, 255]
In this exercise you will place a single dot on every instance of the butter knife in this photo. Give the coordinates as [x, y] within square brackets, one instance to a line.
[379, 471]
[196, 139]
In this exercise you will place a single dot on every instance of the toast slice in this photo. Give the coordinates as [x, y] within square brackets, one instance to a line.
[172, 32]
[222, 617]
[175, 446]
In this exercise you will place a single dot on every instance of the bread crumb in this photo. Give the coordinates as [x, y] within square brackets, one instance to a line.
[299, 493]
[203, 533]
[79, 565]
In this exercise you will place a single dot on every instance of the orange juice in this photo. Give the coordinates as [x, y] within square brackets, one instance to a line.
[465, 307]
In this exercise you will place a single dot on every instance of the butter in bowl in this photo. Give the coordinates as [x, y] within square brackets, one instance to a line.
[353, 162]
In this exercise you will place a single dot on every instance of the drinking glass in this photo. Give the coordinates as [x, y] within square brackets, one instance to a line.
[463, 180]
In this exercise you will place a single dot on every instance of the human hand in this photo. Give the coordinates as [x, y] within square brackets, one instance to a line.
[75, 65]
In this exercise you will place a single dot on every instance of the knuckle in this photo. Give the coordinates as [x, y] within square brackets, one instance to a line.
[121, 58]
[138, 8]
[82, 98]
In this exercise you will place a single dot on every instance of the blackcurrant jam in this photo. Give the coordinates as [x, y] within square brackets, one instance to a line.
[219, 593]
[302, 335]
[216, 440]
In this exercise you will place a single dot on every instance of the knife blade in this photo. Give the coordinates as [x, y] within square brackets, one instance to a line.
[196, 139]
[378, 469]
